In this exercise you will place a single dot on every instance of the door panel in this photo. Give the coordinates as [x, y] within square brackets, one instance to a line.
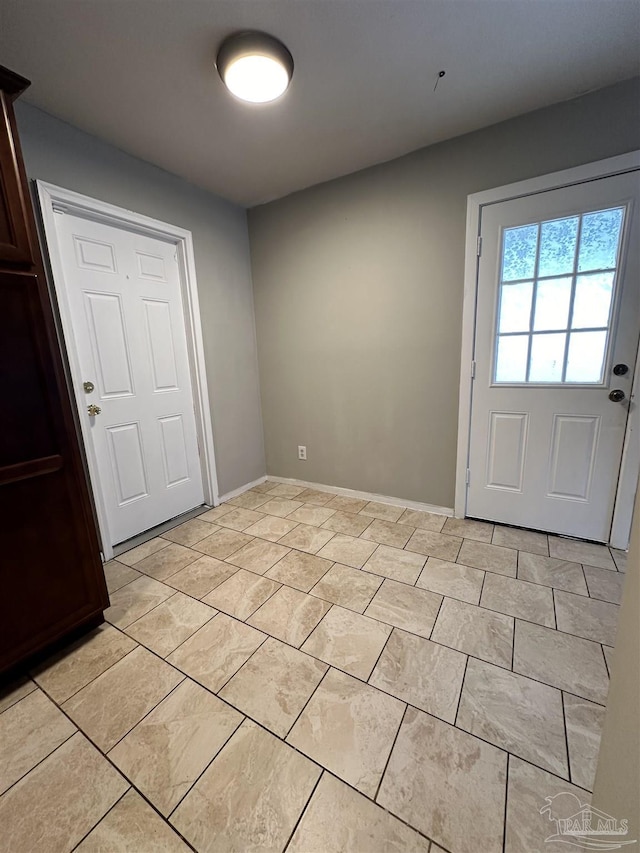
[163, 358]
[558, 306]
[507, 443]
[574, 442]
[174, 447]
[127, 462]
[107, 336]
[126, 311]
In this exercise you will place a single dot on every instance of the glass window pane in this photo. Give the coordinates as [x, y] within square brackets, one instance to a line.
[586, 354]
[547, 358]
[599, 239]
[552, 304]
[558, 246]
[515, 307]
[519, 252]
[511, 363]
[592, 301]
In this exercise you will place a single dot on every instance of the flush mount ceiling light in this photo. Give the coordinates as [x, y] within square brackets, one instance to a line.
[254, 66]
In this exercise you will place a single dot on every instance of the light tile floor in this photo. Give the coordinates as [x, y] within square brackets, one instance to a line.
[302, 671]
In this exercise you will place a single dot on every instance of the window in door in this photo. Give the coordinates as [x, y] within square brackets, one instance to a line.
[557, 286]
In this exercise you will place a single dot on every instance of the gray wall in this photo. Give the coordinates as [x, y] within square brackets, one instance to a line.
[63, 155]
[358, 289]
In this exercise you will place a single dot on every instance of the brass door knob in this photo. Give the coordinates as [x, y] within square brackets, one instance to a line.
[94, 410]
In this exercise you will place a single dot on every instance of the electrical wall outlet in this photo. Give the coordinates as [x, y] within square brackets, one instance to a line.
[302, 452]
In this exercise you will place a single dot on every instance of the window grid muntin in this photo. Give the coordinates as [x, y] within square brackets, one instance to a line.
[575, 272]
[534, 296]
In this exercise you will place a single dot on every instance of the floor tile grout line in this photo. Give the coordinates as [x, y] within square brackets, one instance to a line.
[555, 614]
[266, 542]
[169, 543]
[566, 737]
[305, 591]
[133, 548]
[575, 695]
[374, 667]
[435, 621]
[155, 607]
[586, 583]
[108, 812]
[387, 811]
[268, 598]
[508, 752]
[133, 786]
[217, 613]
[462, 683]
[484, 578]
[123, 627]
[506, 805]
[339, 604]
[317, 625]
[209, 763]
[302, 710]
[35, 687]
[303, 811]
[111, 591]
[44, 758]
[326, 771]
[144, 717]
[530, 621]
[157, 653]
[95, 677]
[393, 744]
[240, 668]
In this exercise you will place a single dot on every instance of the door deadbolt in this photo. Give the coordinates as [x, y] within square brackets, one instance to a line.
[93, 409]
[88, 387]
[616, 396]
[621, 369]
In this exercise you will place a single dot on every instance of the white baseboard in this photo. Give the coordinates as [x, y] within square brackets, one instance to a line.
[241, 489]
[366, 496]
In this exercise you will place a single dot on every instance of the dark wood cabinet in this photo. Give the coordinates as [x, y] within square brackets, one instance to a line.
[52, 583]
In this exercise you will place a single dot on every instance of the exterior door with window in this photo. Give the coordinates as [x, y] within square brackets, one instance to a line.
[557, 323]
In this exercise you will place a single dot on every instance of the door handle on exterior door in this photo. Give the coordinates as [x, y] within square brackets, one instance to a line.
[93, 410]
[616, 396]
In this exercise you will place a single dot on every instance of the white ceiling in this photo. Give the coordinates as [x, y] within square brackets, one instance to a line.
[140, 74]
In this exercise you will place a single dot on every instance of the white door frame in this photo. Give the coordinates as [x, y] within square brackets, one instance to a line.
[630, 467]
[55, 201]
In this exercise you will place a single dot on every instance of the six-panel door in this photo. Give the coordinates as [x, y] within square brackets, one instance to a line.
[127, 316]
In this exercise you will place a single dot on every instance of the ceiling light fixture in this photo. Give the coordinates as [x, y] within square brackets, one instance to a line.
[254, 66]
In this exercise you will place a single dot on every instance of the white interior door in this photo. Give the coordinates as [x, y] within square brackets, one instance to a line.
[125, 303]
[558, 312]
